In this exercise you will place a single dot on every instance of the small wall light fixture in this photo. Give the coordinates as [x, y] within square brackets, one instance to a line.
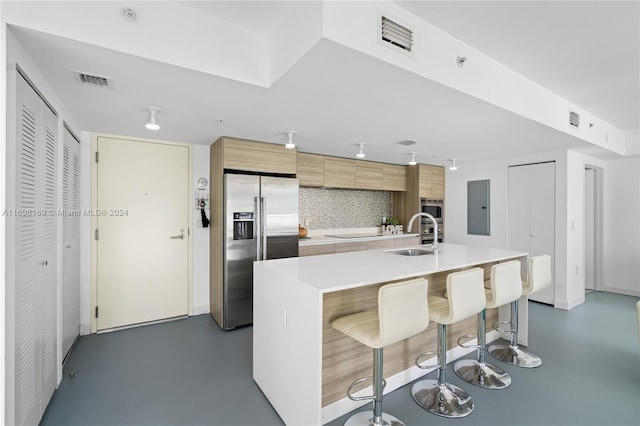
[361, 154]
[412, 162]
[453, 165]
[151, 124]
[290, 144]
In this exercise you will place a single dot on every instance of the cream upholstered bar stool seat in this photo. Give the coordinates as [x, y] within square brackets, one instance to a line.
[403, 311]
[539, 277]
[505, 286]
[465, 298]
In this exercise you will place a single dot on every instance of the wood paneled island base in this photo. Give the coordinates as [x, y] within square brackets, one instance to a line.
[304, 366]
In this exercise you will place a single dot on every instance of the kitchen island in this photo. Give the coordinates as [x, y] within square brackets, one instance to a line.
[304, 367]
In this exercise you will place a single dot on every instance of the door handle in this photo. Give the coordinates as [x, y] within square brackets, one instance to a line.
[177, 237]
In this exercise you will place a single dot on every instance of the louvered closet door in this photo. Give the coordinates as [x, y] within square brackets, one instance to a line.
[70, 241]
[36, 271]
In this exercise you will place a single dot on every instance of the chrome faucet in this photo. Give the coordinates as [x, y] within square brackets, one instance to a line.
[434, 246]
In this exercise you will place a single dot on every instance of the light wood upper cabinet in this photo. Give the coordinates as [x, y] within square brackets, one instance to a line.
[437, 182]
[254, 156]
[394, 177]
[425, 185]
[339, 172]
[368, 175]
[310, 169]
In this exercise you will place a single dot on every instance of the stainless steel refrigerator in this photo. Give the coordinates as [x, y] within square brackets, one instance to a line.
[260, 222]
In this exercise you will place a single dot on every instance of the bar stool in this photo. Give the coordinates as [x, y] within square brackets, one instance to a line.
[465, 298]
[539, 278]
[505, 286]
[403, 311]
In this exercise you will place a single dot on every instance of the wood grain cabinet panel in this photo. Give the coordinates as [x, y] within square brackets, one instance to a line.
[437, 183]
[355, 246]
[316, 250]
[381, 244]
[262, 157]
[368, 175]
[339, 172]
[310, 169]
[394, 177]
[425, 184]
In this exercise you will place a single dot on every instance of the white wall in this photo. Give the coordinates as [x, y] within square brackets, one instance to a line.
[200, 237]
[569, 245]
[622, 226]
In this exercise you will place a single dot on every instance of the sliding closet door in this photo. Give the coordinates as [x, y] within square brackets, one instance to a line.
[36, 256]
[532, 215]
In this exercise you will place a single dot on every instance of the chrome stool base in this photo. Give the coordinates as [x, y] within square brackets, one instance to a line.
[486, 376]
[365, 418]
[444, 400]
[515, 356]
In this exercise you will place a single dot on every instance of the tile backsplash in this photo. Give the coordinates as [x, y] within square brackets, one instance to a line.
[332, 208]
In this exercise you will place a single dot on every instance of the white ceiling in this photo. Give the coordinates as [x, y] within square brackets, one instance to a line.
[335, 97]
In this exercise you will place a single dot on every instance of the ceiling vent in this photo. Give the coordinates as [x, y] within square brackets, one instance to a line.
[93, 79]
[574, 119]
[396, 35]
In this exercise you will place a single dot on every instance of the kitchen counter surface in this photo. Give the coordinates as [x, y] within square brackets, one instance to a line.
[296, 300]
[342, 271]
[349, 238]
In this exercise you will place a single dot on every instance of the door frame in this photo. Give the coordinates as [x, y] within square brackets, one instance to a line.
[598, 224]
[94, 222]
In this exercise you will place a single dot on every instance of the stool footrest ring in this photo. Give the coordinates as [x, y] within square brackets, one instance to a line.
[496, 326]
[465, 345]
[362, 398]
[422, 355]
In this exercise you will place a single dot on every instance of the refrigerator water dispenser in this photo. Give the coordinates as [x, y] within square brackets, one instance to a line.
[243, 225]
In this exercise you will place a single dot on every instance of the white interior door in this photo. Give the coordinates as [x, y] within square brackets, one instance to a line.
[589, 229]
[143, 237]
[542, 223]
[532, 215]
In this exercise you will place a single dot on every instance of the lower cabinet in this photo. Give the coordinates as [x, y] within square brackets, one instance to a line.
[382, 244]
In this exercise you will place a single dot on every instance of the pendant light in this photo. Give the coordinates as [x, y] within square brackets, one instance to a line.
[453, 164]
[151, 124]
[361, 154]
[413, 162]
[290, 144]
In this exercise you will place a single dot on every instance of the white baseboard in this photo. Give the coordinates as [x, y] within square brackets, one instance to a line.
[625, 291]
[200, 309]
[570, 304]
[85, 329]
[345, 405]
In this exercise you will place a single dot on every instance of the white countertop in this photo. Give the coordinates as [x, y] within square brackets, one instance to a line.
[328, 239]
[341, 271]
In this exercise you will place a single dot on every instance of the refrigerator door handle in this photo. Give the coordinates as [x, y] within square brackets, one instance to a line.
[263, 227]
[258, 224]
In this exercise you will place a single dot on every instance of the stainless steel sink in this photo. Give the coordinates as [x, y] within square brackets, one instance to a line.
[411, 252]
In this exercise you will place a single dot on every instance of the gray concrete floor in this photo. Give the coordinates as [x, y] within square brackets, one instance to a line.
[189, 372]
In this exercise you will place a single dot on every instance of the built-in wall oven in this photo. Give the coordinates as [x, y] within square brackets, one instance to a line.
[436, 209]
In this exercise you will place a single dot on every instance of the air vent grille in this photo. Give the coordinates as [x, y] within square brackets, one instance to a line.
[93, 79]
[574, 119]
[395, 34]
